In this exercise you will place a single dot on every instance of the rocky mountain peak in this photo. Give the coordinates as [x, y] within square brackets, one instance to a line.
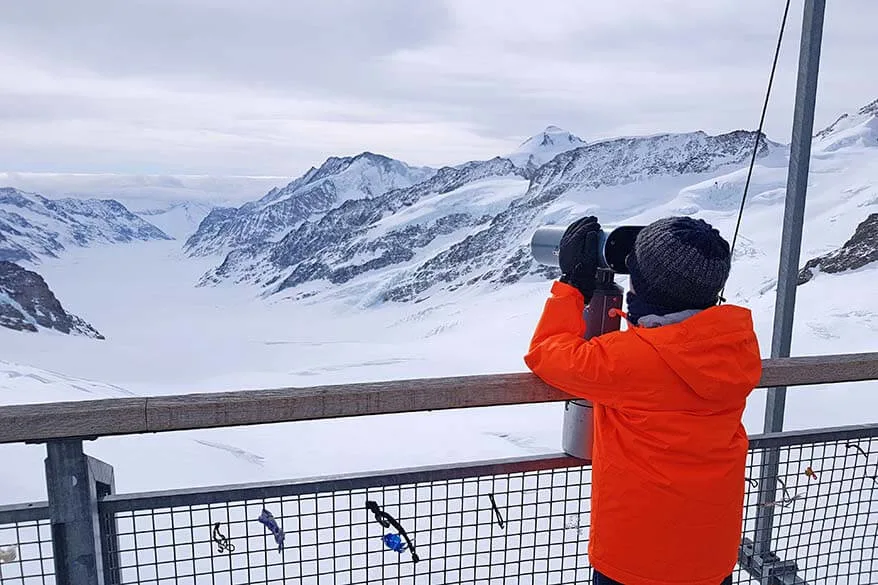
[861, 249]
[281, 211]
[27, 303]
[543, 147]
[870, 109]
[849, 127]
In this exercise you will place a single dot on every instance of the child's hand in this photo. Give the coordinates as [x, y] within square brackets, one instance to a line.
[578, 255]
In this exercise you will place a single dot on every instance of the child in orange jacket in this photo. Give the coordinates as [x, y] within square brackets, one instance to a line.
[670, 449]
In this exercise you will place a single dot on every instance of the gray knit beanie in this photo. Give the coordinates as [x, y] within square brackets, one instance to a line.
[679, 263]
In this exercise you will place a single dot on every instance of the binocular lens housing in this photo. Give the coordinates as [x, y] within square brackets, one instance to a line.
[613, 246]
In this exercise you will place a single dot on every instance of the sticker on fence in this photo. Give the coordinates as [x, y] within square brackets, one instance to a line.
[8, 553]
[222, 541]
[268, 520]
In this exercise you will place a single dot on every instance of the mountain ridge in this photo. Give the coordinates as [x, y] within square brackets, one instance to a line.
[320, 189]
[33, 226]
[478, 238]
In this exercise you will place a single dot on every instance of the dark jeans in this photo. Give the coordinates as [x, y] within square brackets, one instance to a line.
[599, 579]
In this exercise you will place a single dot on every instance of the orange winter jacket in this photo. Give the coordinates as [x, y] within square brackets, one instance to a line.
[669, 446]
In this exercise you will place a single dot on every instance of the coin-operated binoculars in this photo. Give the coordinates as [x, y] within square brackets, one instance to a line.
[613, 248]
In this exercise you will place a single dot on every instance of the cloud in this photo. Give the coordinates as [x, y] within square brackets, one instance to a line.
[272, 87]
[272, 43]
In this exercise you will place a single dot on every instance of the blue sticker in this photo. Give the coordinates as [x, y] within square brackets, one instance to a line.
[394, 542]
[268, 520]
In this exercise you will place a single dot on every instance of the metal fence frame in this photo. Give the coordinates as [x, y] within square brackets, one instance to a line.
[185, 505]
[375, 479]
[764, 568]
[30, 512]
[781, 499]
[31, 524]
[769, 568]
[378, 478]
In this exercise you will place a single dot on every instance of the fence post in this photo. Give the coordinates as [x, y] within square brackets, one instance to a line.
[75, 482]
[791, 241]
[105, 485]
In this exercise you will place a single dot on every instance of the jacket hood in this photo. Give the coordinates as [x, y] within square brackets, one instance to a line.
[715, 352]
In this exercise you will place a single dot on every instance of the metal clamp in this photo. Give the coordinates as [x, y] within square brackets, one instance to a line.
[768, 568]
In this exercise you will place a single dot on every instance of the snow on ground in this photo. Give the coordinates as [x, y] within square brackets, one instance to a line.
[166, 336]
[487, 196]
[178, 219]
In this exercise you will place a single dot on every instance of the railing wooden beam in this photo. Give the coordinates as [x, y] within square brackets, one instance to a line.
[823, 369]
[127, 416]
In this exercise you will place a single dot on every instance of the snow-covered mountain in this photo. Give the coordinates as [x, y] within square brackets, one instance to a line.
[27, 303]
[860, 128]
[178, 218]
[174, 203]
[337, 180]
[471, 223]
[32, 225]
[543, 147]
[500, 252]
[337, 246]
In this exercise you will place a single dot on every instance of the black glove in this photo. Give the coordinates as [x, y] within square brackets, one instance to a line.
[578, 255]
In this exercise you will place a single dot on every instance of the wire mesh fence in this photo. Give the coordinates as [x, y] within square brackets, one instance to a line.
[825, 508]
[526, 527]
[26, 546]
[524, 521]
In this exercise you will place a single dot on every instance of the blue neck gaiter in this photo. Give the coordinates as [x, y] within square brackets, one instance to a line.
[637, 308]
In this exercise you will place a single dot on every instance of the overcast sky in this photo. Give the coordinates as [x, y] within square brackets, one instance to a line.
[271, 87]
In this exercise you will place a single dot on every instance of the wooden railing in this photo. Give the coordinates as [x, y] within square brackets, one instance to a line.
[154, 414]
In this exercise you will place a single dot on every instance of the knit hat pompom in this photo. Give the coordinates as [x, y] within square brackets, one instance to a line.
[679, 263]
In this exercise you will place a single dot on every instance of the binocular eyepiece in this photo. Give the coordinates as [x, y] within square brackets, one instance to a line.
[613, 246]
